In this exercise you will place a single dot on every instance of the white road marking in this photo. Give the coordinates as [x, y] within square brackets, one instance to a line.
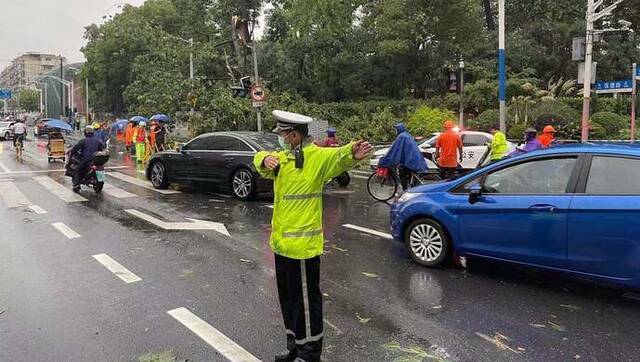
[117, 192]
[368, 231]
[12, 196]
[58, 189]
[361, 177]
[4, 168]
[194, 224]
[117, 268]
[141, 183]
[361, 173]
[37, 209]
[65, 230]
[49, 171]
[221, 343]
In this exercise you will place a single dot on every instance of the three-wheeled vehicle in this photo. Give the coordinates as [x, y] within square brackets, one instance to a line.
[55, 146]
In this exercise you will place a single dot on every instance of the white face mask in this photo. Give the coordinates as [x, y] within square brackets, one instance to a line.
[283, 143]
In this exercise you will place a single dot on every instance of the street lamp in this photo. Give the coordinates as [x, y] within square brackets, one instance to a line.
[502, 65]
[67, 84]
[592, 17]
[461, 66]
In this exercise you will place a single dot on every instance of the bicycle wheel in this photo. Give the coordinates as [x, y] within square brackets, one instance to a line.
[382, 188]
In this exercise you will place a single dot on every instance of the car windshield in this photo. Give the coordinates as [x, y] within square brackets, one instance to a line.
[267, 141]
[4, 124]
[428, 142]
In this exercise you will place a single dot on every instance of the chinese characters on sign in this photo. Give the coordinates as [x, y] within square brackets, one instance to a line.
[617, 86]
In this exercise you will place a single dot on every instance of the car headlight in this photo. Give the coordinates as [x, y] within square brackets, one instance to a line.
[407, 196]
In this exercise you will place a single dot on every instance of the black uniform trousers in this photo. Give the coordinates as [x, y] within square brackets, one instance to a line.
[301, 305]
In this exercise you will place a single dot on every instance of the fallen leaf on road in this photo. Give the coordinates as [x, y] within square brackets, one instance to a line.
[499, 340]
[370, 275]
[557, 327]
[245, 260]
[417, 354]
[437, 307]
[570, 307]
[576, 356]
[363, 320]
[166, 356]
[338, 248]
[537, 325]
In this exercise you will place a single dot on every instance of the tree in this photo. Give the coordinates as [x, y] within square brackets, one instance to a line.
[29, 100]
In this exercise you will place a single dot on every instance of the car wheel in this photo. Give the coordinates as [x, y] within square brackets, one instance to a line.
[243, 185]
[7, 136]
[158, 175]
[427, 242]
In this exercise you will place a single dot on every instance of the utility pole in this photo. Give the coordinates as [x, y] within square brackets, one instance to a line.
[461, 93]
[61, 86]
[588, 59]
[254, 48]
[634, 95]
[502, 67]
[191, 69]
[46, 101]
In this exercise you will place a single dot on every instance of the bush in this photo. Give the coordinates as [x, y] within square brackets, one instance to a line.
[563, 118]
[610, 123]
[597, 131]
[516, 132]
[485, 120]
[426, 120]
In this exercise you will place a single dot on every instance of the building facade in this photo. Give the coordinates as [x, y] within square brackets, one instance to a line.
[25, 69]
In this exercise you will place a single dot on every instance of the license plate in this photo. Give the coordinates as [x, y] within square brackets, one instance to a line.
[100, 176]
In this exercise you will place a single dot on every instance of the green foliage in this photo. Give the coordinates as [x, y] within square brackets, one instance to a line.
[516, 132]
[610, 123]
[426, 120]
[484, 121]
[625, 133]
[29, 100]
[563, 118]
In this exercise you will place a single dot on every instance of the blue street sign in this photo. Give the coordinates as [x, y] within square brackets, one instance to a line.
[616, 86]
[638, 71]
[5, 93]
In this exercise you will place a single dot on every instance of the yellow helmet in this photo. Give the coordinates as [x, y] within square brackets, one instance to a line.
[96, 125]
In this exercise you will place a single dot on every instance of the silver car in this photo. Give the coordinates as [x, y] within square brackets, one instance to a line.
[5, 130]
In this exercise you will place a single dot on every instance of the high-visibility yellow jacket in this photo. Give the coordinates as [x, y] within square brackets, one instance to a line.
[498, 146]
[297, 210]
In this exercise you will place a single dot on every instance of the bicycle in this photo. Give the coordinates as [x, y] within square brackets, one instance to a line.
[19, 146]
[383, 184]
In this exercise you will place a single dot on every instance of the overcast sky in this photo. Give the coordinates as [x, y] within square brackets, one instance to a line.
[50, 26]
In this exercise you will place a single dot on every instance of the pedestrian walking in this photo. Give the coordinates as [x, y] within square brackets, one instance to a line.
[140, 139]
[128, 137]
[498, 146]
[448, 151]
[300, 172]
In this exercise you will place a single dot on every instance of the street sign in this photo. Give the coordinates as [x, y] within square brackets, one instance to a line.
[638, 73]
[258, 94]
[5, 93]
[617, 86]
[258, 104]
[594, 68]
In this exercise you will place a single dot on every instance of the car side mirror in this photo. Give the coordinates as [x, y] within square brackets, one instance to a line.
[475, 193]
[180, 148]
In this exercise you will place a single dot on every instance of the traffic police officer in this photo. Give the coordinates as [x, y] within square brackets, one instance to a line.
[300, 172]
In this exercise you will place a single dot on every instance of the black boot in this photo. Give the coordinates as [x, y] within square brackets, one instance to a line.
[287, 356]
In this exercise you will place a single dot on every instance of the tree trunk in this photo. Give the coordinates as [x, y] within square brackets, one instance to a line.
[488, 15]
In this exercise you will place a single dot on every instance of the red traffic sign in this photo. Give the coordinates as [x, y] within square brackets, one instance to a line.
[258, 94]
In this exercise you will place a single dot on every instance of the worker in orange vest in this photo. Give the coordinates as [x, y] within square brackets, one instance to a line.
[128, 137]
[547, 137]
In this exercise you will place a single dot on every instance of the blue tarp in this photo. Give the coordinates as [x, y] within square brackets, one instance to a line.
[404, 151]
[56, 123]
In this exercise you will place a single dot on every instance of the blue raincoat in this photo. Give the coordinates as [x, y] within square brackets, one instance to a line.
[405, 152]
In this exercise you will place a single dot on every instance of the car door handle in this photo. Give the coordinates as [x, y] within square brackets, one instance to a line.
[542, 208]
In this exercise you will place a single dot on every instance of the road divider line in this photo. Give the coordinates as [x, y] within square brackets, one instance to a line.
[4, 168]
[58, 189]
[12, 196]
[65, 230]
[213, 337]
[360, 177]
[368, 231]
[117, 192]
[116, 268]
[193, 224]
[141, 183]
[50, 171]
[37, 209]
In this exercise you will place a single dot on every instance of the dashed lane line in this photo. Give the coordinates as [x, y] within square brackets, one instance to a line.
[12, 196]
[37, 209]
[117, 192]
[368, 231]
[65, 230]
[59, 190]
[116, 268]
[213, 337]
[141, 183]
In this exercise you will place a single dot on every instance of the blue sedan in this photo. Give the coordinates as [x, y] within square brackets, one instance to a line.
[574, 209]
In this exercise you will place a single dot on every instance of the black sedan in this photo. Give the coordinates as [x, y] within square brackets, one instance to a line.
[224, 159]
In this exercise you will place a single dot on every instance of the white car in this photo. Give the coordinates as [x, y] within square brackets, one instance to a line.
[474, 148]
[5, 130]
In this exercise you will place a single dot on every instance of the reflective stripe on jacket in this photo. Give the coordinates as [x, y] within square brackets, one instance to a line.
[498, 146]
[297, 209]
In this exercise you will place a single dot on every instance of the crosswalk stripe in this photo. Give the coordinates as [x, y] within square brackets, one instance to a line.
[225, 346]
[65, 230]
[117, 192]
[4, 167]
[59, 190]
[37, 209]
[141, 183]
[12, 196]
[368, 231]
[116, 268]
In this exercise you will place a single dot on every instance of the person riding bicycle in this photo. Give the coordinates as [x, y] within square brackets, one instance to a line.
[84, 151]
[19, 132]
[405, 154]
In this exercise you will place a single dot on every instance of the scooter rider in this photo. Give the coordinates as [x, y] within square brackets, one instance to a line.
[85, 150]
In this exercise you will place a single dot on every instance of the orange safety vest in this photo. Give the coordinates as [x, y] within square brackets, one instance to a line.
[141, 135]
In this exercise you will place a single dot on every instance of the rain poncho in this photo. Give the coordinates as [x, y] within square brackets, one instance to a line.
[405, 152]
[530, 145]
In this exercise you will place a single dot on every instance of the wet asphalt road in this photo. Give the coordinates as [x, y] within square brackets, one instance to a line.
[58, 303]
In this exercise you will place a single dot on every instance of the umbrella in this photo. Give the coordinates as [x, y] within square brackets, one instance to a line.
[56, 123]
[160, 118]
[121, 123]
[138, 119]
